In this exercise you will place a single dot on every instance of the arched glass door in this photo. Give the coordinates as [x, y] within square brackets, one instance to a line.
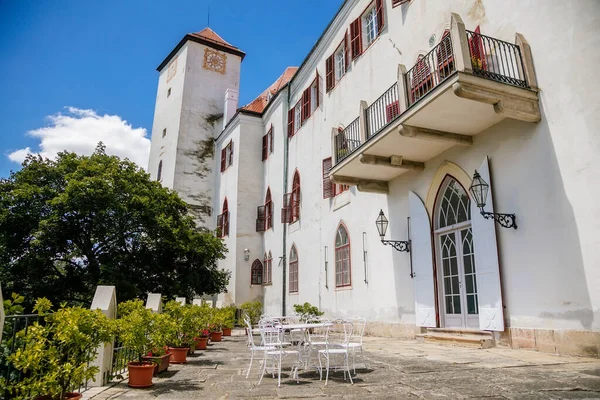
[456, 262]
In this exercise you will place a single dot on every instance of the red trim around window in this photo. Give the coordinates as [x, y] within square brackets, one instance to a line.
[256, 273]
[339, 252]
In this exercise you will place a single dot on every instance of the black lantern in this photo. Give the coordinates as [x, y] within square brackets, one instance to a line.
[479, 190]
[382, 225]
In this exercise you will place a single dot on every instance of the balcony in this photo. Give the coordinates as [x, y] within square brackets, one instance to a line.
[467, 83]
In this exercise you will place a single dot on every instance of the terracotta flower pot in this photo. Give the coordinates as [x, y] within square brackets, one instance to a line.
[201, 343]
[140, 375]
[216, 336]
[226, 331]
[160, 363]
[179, 354]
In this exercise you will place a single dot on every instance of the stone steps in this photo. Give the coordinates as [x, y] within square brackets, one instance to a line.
[458, 337]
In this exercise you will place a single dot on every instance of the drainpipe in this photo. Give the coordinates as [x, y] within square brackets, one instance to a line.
[285, 179]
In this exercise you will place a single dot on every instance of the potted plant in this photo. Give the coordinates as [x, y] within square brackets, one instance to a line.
[135, 327]
[253, 310]
[202, 339]
[216, 334]
[307, 312]
[185, 331]
[202, 316]
[228, 319]
[55, 357]
[164, 330]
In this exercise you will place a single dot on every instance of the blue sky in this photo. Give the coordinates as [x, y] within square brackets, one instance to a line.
[100, 58]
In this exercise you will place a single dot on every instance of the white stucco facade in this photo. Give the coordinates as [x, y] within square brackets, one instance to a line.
[543, 277]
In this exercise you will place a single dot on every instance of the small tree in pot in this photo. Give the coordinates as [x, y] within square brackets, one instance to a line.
[228, 319]
[185, 331]
[253, 310]
[164, 330]
[218, 318]
[307, 312]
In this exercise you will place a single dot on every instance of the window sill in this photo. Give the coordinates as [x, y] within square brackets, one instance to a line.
[293, 293]
[341, 200]
[338, 82]
[268, 284]
[343, 288]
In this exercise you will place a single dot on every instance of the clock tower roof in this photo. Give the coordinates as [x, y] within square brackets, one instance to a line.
[207, 37]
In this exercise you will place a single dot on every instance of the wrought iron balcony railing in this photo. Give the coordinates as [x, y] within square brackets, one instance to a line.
[383, 111]
[347, 140]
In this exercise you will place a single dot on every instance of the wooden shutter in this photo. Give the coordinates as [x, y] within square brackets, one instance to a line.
[265, 148]
[305, 104]
[380, 16]
[329, 74]
[392, 110]
[286, 211]
[220, 225]
[226, 223]
[318, 89]
[422, 262]
[328, 186]
[271, 139]
[356, 38]
[487, 267]
[269, 214]
[291, 122]
[231, 153]
[260, 218]
[223, 160]
[477, 50]
[346, 50]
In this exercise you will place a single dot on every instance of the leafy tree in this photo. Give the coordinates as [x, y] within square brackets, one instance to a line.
[69, 224]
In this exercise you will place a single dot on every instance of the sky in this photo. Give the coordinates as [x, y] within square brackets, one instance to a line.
[78, 72]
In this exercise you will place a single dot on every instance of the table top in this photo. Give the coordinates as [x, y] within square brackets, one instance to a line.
[306, 326]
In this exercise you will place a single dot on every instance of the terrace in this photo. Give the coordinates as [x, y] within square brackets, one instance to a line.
[467, 83]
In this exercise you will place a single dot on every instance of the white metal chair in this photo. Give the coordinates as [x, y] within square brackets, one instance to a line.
[272, 336]
[332, 348]
[356, 339]
[252, 345]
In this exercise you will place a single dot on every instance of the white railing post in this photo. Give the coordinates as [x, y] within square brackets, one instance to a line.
[527, 61]
[362, 121]
[154, 302]
[180, 300]
[402, 92]
[460, 44]
[1, 314]
[105, 300]
[197, 302]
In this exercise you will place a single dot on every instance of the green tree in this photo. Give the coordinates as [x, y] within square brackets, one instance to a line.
[69, 224]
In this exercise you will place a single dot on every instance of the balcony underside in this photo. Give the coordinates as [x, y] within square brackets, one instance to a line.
[449, 115]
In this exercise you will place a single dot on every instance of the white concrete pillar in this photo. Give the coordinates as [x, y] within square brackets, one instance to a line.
[105, 300]
[197, 302]
[362, 121]
[180, 300]
[1, 314]
[231, 105]
[527, 59]
[402, 90]
[460, 44]
[154, 302]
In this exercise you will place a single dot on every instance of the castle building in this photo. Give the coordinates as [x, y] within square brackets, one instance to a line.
[431, 166]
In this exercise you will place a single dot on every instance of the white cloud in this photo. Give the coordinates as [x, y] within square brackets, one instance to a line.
[80, 131]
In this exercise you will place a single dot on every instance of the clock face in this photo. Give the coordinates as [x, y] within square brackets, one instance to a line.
[215, 61]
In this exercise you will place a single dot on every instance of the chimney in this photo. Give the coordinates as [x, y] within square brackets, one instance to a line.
[231, 105]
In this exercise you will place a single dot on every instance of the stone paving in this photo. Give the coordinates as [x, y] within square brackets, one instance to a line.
[396, 369]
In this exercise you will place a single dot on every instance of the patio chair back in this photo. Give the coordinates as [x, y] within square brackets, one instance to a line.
[359, 325]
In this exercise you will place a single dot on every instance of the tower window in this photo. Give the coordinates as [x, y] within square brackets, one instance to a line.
[159, 173]
[169, 92]
[164, 132]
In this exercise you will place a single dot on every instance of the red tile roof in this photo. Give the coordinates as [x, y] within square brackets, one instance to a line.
[211, 36]
[260, 103]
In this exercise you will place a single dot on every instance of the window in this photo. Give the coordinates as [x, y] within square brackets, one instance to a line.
[306, 107]
[342, 258]
[330, 189]
[291, 202]
[223, 221]
[159, 173]
[256, 273]
[297, 116]
[264, 214]
[370, 23]
[314, 95]
[293, 266]
[267, 272]
[267, 144]
[340, 63]
[337, 64]
[356, 38]
[164, 133]
[445, 57]
[169, 92]
[227, 156]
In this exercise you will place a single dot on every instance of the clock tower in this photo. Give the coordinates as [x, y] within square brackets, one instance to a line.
[192, 85]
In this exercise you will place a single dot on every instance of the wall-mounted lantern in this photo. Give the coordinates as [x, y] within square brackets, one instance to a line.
[246, 254]
[479, 190]
[382, 225]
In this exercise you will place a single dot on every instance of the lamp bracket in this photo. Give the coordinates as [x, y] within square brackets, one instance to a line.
[400, 245]
[504, 220]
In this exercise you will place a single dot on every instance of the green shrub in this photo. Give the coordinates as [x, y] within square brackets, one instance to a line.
[253, 309]
[307, 311]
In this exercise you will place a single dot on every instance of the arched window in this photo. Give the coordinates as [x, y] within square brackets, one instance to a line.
[454, 204]
[293, 265]
[268, 268]
[296, 197]
[445, 58]
[223, 221]
[342, 258]
[159, 173]
[256, 273]
[268, 210]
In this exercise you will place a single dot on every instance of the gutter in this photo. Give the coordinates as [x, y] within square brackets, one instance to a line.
[285, 226]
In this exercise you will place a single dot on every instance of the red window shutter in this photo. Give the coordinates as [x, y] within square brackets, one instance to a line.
[291, 122]
[346, 50]
[220, 225]
[305, 104]
[380, 16]
[260, 219]
[477, 50]
[356, 38]
[327, 184]
[392, 111]
[269, 215]
[286, 211]
[231, 153]
[329, 75]
[226, 223]
[265, 140]
[223, 160]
